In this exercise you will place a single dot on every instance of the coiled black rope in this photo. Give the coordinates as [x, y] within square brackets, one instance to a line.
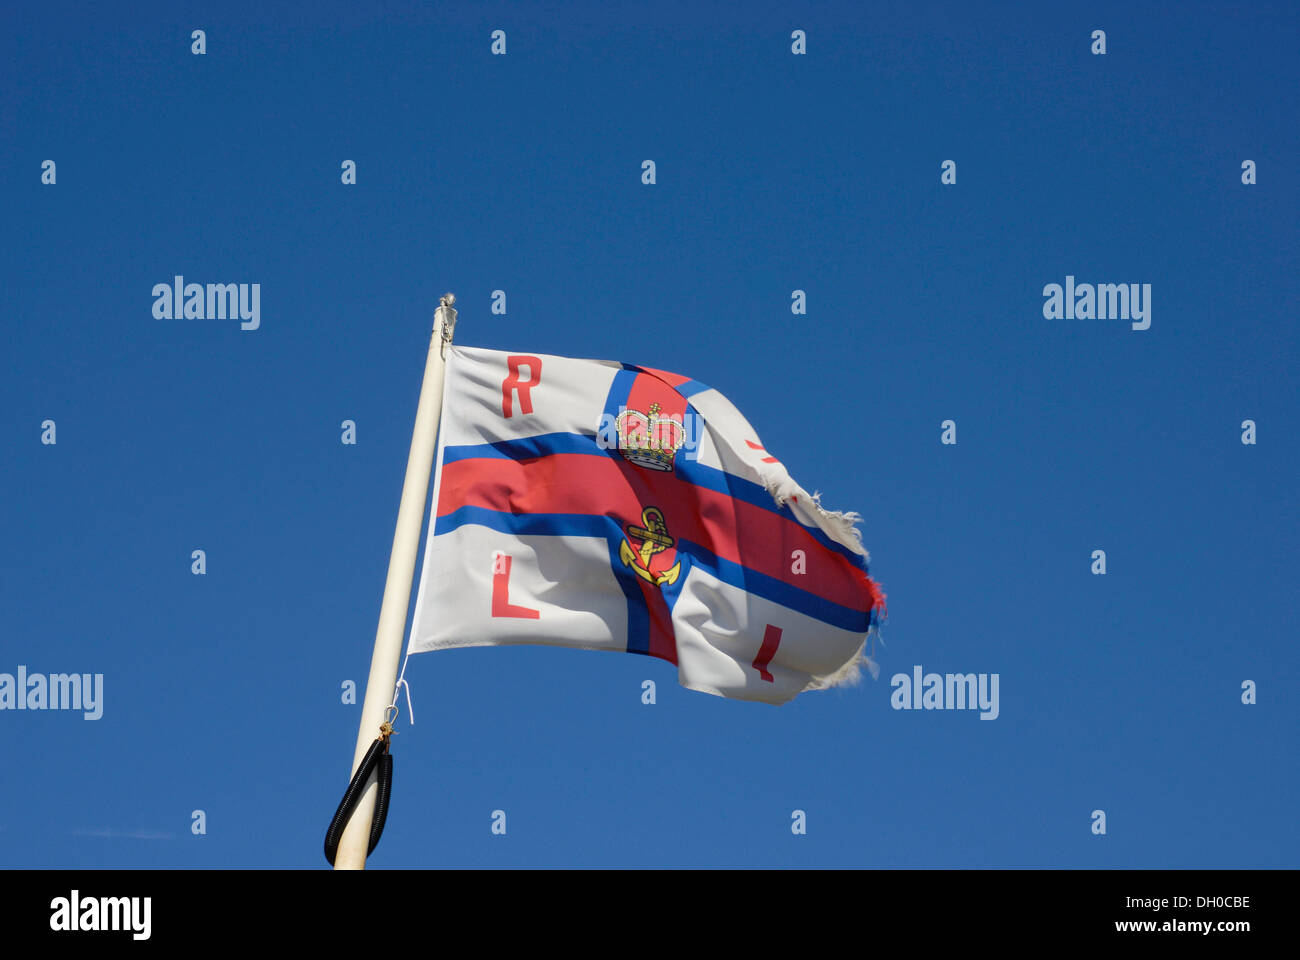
[376, 758]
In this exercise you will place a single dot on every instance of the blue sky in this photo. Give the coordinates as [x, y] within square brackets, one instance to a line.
[775, 172]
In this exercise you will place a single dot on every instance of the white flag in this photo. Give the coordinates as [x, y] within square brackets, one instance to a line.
[585, 503]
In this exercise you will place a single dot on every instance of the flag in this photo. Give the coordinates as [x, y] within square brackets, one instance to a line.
[609, 506]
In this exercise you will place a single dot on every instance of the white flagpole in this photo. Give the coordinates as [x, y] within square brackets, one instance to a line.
[397, 589]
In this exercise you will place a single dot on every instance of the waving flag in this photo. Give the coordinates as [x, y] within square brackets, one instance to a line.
[606, 506]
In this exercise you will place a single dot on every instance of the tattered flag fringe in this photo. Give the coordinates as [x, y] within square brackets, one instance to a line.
[841, 526]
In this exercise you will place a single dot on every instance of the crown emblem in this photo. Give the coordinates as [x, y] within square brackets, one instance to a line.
[649, 440]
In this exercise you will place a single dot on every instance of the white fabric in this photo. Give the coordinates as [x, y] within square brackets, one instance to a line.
[569, 579]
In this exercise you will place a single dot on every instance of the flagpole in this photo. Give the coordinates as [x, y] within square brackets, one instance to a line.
[401, 572]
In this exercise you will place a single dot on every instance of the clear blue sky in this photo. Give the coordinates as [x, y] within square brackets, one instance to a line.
[775, 172]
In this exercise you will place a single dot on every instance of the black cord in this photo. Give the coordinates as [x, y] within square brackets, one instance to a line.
[376, 757]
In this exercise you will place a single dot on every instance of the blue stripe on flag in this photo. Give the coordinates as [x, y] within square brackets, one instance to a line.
[692, 471]
[690, 388]
[525, 448]
[619, 390]
[531, 524]
[777, 591]
[687, 388]
[729, 572]
[638, 614]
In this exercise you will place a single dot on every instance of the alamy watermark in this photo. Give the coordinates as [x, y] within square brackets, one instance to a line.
[213, 301]
[1101, 301]
[946, 691]
[58, 691]
[76, 913]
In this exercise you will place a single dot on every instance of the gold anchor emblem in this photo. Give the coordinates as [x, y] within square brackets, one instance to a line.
[654, 539]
